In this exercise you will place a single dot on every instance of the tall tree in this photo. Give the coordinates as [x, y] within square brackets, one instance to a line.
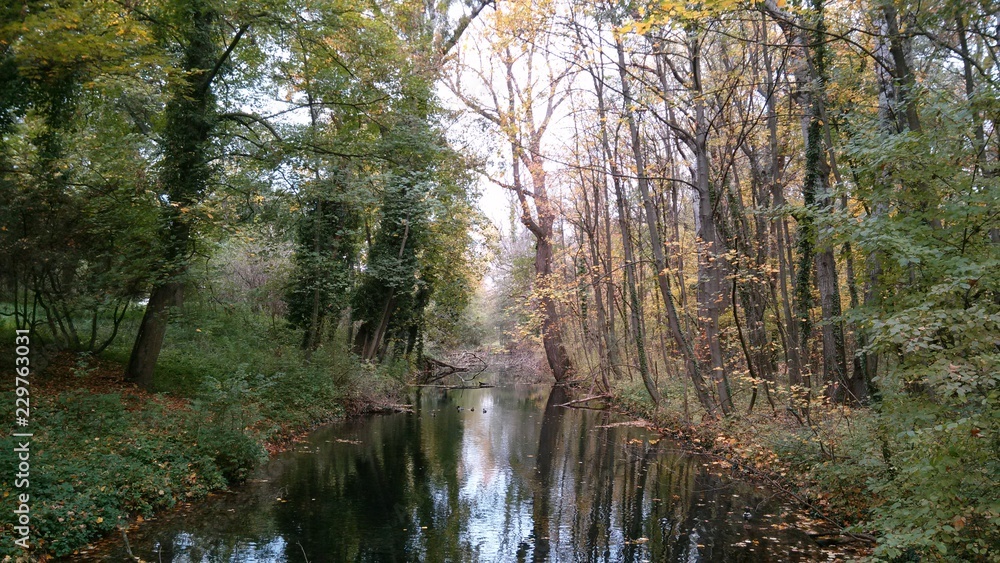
[192, 28]
[71, 258]
[518, 57]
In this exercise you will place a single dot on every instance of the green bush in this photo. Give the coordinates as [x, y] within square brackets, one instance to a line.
[941, 424]
[229, 408]
[95, 463]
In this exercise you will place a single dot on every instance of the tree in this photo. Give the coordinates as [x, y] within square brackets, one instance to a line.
[72, 259]
[324, 261]
[191, 28]
[519, 56]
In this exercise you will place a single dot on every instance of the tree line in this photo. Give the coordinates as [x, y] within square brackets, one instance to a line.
[790, 202]
[783, 202]
[140, 139]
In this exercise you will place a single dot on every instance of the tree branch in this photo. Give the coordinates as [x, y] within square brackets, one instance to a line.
[463, 24]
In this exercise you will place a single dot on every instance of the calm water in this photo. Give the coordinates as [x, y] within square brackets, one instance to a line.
[498, 474]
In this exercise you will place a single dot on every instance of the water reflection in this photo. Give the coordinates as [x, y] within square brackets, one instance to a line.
[502, 474]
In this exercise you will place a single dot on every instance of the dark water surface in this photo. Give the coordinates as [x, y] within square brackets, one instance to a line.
[495, 474]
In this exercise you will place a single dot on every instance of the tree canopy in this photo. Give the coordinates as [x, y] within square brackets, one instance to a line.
[712, 205]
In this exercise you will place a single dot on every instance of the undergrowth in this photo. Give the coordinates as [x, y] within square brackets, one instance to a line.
[230, 387]
[925, 490]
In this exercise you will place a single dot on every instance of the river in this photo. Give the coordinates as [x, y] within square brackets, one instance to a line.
[492, 474]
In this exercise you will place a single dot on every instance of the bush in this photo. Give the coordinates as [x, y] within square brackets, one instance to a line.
[97, 461]
[229, 408]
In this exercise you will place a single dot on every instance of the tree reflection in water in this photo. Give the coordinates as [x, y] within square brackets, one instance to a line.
[527, 480]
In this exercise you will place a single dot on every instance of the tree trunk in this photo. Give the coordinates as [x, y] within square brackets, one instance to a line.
[635, 304]
[793, 359]
[607, 348]
[555, 351]
[817, 195]
[659, 261]
[834, 355]
[314, 330]
[312, 335]
[152, 329]
[614, 356]
[710, 298]
[189, 120]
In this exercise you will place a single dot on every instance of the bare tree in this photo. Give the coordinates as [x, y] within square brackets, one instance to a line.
[518, 86]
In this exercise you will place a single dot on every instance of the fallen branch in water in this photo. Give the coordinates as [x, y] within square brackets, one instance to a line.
[839, 538]
[128, 548]
[436, 370]
[640, 423]
[390, 407]
[442, 386]
[585, 400]
[438, 364]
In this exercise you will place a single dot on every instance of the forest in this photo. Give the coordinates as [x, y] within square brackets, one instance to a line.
[769, 227]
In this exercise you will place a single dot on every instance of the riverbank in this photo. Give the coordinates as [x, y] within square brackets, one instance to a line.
[836, 462]
[106, 454]
[441, 484]
[773, 449]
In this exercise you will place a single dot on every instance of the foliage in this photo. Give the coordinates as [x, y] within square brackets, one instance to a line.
[423, 239]
[251, 274]
[231, 407]
[324, 261]
[104, 453]
[141, 155]
[99, 460]
[935, 322]
[868, 138]
[291, 159]
[73, 230]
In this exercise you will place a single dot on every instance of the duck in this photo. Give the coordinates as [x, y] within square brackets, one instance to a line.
[484, 411]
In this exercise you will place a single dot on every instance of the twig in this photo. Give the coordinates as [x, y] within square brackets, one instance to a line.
[128, 548]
